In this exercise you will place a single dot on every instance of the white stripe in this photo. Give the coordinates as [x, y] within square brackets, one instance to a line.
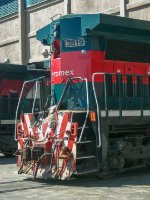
[116, 113]
[59, 123]
[67, 136]
[30, 130]
[22, 124]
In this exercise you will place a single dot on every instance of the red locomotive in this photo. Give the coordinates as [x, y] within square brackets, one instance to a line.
[99, 119]
[12, 78]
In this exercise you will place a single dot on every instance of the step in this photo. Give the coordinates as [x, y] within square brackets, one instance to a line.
[82, 127]
[86, 171]
[85, 142]
[85, 157]
[85, 149]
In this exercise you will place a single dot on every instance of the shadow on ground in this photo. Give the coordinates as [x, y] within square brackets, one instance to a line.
[138, 178]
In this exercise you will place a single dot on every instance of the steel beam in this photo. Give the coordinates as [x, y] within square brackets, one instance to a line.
[22, 32]
[123, 8]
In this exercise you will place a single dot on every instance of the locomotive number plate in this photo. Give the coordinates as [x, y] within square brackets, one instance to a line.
[75, 43]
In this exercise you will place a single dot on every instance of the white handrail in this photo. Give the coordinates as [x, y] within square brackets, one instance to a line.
[33, 80]
[97, 105]
[87, 113]
[36, 85]
[87, 99]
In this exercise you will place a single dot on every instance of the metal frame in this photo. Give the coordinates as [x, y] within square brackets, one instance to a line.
[87, 99]
[26, 82]
[119, 112]
[35, 96]
[98, 109]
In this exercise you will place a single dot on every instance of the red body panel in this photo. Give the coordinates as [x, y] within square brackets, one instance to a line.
[72, 64]
[84, 64]
[7, 86]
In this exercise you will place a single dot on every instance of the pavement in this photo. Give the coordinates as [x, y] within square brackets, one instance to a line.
[17, 187]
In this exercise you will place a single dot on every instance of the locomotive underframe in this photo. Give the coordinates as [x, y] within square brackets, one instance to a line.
[125, 143]
[7, 144]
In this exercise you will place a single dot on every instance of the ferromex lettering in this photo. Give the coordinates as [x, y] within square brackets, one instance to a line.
[63, 73]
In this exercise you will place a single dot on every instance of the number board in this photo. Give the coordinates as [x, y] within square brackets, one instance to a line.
[80, 42]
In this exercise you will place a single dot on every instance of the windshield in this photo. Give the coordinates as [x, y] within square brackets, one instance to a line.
[74, 96]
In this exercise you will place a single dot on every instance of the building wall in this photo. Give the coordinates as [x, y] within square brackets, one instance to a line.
[139, 11]
[9, 39]
[92, 6]
[19, 28]
[36, 18]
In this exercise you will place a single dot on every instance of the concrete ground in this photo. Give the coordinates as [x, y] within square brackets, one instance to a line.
[17, 187]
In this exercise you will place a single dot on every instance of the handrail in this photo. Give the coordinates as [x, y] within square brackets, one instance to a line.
[120, 91]
[87, 99]
[97, 106]
[105, 95]
[87, 113]
[36, 85]
[58, 14]
[33, 80]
